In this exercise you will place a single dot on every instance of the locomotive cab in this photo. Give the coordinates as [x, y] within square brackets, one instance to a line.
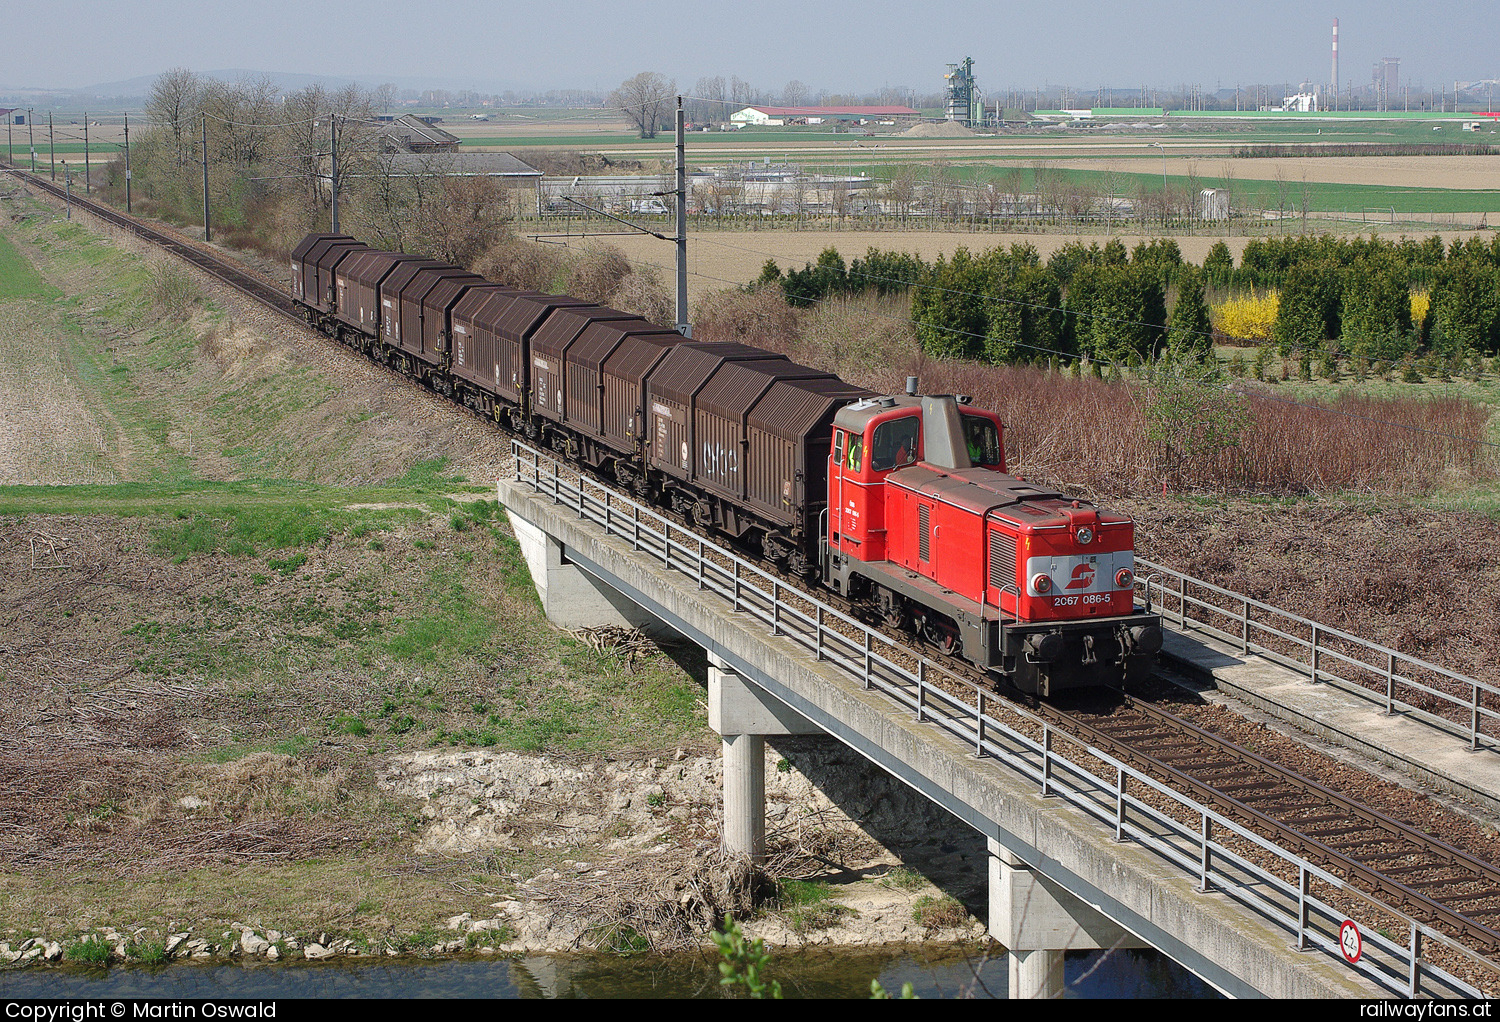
[927, 529]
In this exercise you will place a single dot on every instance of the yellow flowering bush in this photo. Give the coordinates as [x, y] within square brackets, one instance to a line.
[1247, 317]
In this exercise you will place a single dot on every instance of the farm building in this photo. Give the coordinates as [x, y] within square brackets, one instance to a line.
[775, 116]
[413, 135]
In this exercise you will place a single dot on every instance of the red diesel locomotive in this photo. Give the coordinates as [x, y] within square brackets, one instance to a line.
[901, 503]
[924, 523]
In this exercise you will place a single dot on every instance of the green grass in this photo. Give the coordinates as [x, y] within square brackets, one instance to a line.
[19, 279]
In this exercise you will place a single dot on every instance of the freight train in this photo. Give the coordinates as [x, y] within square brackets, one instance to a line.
[901, 503]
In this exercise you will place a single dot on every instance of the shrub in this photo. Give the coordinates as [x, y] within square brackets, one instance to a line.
[1247, 318]
[171, 290]
[597, 273]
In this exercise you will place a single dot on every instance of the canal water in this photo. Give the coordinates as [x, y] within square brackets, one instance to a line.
[938, 972]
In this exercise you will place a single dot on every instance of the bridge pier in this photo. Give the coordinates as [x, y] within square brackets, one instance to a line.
[1037, 921]
[743, 715]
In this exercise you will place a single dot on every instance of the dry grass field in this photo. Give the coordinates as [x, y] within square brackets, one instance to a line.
[1463, 172]
[720, 259]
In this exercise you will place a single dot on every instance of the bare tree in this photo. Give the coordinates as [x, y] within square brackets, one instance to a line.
[710, 104]
[173, 103]
[794, 93]
[646, 99]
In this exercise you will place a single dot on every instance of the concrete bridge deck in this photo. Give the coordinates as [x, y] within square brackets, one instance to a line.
[1235, 946]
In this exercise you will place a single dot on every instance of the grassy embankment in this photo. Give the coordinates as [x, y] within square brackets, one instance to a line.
[280, 582]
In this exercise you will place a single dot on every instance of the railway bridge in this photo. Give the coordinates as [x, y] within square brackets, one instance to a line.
[1085, 852]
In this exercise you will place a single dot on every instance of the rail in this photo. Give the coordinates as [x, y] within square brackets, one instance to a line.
[1399, 682]
[1314, 906]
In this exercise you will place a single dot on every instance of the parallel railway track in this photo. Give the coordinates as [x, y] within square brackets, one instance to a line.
[1404, 866]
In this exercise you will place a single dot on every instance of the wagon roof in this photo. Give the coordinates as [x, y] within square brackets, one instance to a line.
[804, 407]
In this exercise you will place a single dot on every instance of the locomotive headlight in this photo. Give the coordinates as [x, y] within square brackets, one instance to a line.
[1124, 578]
[1040, 583]
[1085, 536]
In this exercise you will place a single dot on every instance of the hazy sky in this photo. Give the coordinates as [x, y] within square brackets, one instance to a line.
[834, 44]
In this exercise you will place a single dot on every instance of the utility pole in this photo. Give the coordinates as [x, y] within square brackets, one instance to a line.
[127, 163]
[86, 189]
[207, 236]
[31, 135]
[333, 148]
[51, 147]
[683, 326]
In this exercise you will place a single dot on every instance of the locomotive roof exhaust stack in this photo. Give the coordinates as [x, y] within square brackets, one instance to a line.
[911, 386]
[943, 434]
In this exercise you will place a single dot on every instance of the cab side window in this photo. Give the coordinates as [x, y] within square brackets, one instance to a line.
[895, 443]
[983, 440]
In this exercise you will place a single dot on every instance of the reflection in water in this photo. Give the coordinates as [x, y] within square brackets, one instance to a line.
[942, 972]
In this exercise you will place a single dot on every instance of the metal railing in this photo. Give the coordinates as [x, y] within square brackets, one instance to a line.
[1399, 682]
[1314, 906]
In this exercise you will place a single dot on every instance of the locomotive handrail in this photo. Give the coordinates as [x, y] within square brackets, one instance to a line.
[1217, 852]
[1375, 675]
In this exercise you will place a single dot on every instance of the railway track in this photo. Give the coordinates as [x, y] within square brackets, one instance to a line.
[249, 283]
[1400, 864]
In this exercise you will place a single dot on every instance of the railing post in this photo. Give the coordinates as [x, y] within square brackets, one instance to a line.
[1046, 761]
[867, 658]
[1120, 803]
[1245, 626]
[1206, 861]
[921, 689]
[818, 646]
[979, 726]
[1390, 683]
[1414, 974]
[1315, 654]
[700, 564]
[775, 607]
[1474, 719]
[1304, 889]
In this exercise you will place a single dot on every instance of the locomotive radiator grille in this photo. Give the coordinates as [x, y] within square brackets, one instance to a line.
[1002, 561]
[924, 533]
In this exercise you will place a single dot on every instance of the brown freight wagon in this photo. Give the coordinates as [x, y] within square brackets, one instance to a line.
[789, 434]
[614, 358]
[555, 388]
[437, 312]
[500, 330]
[476, 347]
[390, 298]
[312, 268]
[423, 334]
[357, 284]
[747, 435]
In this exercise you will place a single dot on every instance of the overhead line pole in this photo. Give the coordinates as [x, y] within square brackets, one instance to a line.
[207, 236]
[683, 326]
[333, 178]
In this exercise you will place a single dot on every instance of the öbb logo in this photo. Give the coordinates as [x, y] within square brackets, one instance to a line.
[1083, 576]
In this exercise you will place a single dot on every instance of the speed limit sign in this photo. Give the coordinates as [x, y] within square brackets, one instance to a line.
[1350, 942]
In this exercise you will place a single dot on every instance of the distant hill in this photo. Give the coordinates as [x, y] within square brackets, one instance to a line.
[132, 92]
